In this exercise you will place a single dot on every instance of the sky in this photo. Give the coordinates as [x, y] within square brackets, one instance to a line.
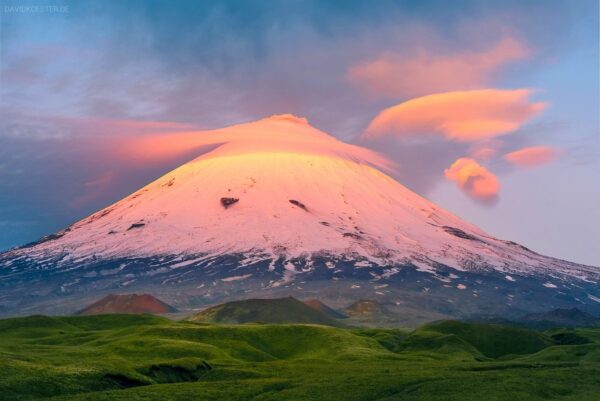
[490, 109]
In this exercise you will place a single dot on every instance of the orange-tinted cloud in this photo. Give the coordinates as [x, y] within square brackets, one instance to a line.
[474, 179]
[395, 75]
[533, 156]
[463, 116]
[162, 146]
[278, 133]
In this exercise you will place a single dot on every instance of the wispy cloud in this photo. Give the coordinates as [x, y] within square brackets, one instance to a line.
[400, 75]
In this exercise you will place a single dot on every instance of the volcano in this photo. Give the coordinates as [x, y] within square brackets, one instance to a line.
[278, 207]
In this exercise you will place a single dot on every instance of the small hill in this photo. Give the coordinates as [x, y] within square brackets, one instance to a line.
[321, 307]
[277, 310]
[491, 340]
[561, 318]
[127, 303]
[365, 308]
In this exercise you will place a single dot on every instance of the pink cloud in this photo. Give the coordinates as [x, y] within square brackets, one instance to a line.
[296, 133]
[105, 127]
[94, 188]
[533, 156]
[475, 180]
[485, 150]
[483, 153]
[101, 180]
[463, 116]
[396, 75]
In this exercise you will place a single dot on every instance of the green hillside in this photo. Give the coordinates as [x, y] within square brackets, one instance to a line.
[143, 357]
[277, 310]
[492, 340]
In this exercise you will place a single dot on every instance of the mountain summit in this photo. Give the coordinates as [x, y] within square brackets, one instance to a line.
[278, 204]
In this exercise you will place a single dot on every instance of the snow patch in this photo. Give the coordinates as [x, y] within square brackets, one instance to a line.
[186, 263]
[236, 278]
[362, 263]
[593, 298]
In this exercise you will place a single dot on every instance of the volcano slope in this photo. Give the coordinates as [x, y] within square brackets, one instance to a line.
[144, 357]
[279, 208]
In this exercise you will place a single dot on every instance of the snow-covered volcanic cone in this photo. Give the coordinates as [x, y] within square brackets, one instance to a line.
[279, 206]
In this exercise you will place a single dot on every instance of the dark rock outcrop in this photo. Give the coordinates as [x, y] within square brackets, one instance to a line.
[226, 202]
[136, 225]
[299, 204]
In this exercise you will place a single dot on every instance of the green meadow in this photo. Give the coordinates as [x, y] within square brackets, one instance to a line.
[144, 357]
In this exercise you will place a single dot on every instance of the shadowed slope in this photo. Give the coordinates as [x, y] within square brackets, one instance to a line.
[321, 307]
[561, 318]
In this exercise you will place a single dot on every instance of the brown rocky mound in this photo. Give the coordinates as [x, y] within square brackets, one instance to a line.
[127, 303]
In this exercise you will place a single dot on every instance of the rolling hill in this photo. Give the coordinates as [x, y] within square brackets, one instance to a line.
[145, 357]
[279, 310]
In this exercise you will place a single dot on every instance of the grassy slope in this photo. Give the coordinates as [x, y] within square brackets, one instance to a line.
[493, 341]
[278, 310]
[133, 357]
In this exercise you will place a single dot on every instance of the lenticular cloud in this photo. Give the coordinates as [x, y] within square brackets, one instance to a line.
[464, 116]
[533, 156]
[269, 136]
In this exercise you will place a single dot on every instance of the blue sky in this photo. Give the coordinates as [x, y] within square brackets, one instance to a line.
[76, 78]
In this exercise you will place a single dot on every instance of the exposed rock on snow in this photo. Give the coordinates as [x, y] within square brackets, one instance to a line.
[460, 233]
[136, 225]
[226, 202]
[298, 203]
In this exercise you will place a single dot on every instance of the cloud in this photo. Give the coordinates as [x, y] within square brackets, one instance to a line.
[463, 116]
[487, 149]
[101, 180]
[475, 180]
[29, 125]
[58, 169]
[279, 133]
[93, 188]
[533, 156]
[396, 75]
[483, 153]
